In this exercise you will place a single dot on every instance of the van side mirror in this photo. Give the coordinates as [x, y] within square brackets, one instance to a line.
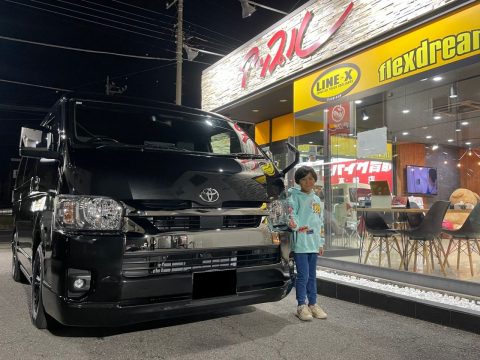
[36, 143]
[295, 160]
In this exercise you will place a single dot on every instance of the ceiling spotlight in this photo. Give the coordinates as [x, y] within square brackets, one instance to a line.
[405, 133]
[457, 127]
[358, 101]
[468, 143]
[310, 142]
[464, 123]
[450, 140]
[365, 115]
[255, 110]
[283, 100]
[247, 9]
[459, 165]
[469, 152]
[437, 117]
[445, 162]
[453, 91]
[434, 147]
[437, 78]
[428, 137]
[405, 111]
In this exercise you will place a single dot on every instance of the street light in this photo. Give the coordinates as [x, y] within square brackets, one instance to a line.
[192, 52]
[248, 9]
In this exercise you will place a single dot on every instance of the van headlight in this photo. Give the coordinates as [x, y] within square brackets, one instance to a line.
[74, 212]
[278, 214]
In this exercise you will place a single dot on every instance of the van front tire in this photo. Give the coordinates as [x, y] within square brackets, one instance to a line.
[17, 274]
[37, 311]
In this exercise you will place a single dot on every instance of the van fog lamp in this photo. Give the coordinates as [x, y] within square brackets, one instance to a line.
[79, 284]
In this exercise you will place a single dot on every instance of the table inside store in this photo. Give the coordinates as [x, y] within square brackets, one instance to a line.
[396, 211]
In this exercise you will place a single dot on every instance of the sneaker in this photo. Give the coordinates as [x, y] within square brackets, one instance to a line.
[317, 311]
[303, 313]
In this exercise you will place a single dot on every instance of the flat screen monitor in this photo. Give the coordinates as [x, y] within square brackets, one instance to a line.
[421, 180]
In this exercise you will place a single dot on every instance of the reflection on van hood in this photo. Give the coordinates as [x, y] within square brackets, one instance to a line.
[132, 174]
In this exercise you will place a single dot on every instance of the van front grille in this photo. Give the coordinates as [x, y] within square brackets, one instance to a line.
[188, 261]
[192, 223]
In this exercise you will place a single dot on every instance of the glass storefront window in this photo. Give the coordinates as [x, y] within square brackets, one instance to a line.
[432, 150]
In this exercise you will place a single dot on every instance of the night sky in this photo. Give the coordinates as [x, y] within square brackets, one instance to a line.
[141, 28]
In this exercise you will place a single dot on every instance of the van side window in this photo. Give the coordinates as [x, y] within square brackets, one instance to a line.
[225, 143]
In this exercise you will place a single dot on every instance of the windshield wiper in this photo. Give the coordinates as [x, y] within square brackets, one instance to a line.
[246, 155]
[102, 138]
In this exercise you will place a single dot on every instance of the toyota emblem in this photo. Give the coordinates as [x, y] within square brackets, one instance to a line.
[209, 195]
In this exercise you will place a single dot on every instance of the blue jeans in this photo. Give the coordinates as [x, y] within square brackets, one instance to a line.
[306, 281]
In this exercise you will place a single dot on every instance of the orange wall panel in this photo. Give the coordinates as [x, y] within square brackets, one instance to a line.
[470, 170]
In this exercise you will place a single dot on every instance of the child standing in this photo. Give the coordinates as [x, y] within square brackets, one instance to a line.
[306, 220]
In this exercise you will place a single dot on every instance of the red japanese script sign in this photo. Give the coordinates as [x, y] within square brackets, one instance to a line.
[287, 47]
[338, 118]
[361, 171]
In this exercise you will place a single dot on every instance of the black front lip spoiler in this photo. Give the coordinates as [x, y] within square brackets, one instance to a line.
[113, 314]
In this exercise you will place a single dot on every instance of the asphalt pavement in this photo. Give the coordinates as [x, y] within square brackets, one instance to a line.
[265, 331]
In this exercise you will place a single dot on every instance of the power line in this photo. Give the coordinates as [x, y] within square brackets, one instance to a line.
[173, 17]
[125, 75]
[91, 21]
[84, 50]
[126, 12]
[112, 14]
[20, 108]
[33, 85]
[99, 17]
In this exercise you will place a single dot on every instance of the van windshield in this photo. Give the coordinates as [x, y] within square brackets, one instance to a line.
[159, 129]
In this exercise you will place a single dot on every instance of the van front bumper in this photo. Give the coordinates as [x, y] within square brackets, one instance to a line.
[272, 284]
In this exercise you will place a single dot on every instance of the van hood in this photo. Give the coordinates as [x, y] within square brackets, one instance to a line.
[149, 175]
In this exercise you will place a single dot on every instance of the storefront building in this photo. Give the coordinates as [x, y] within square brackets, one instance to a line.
[383, 100]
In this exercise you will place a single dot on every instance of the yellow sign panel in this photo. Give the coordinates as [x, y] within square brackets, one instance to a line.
[451, 38]
[342, 146]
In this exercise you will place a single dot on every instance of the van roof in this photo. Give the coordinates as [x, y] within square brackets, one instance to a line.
[76, 96]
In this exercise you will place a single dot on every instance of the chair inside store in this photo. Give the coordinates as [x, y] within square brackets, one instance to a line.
[465, 240]
[424, 240]
[380, 237]
[414, 219]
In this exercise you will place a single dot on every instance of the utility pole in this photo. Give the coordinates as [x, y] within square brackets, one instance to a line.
[178, 97]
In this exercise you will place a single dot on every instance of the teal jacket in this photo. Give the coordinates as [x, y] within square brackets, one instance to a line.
[305, 211]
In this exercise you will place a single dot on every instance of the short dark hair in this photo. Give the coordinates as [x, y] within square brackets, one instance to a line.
[432, 173]
[303, 171]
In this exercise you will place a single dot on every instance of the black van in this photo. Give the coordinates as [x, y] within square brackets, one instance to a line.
[129, 211]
